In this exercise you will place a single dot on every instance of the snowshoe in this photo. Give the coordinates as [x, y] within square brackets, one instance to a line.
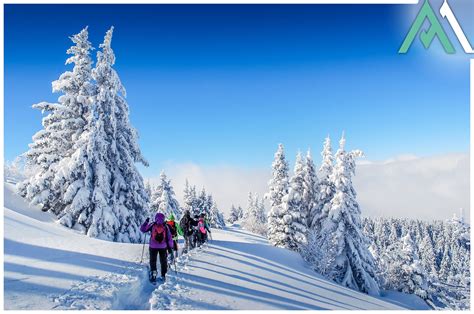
[152, 277]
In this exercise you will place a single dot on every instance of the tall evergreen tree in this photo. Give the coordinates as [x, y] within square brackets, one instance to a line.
[216, 219]
[233, 215]
[62, 128]
[427, 256]
[347, 259]
[311, 189]
[189, 197]
[254, 218]
[163, 198]
[240, 212]
[326, 187]
[278, 189]
[294, 207]
[403, 268]
[105, 194]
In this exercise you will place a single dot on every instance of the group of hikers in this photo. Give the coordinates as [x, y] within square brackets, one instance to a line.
[164, 238]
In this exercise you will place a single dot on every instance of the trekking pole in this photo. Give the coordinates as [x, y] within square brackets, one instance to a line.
[143, 249]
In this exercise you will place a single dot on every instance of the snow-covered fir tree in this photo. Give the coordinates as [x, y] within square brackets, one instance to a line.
[311, 188]
[201, 203]
[450, 291]
[62, 128]
[233, 215]
[216, 218]
[295, 220]
[427, 256]
[208, 204]
[278, 188]
[240, 212]
[189, 197]
[105, 195]
[346, 258]
[148, 189]
[163, 198]
[254, 219]
[403, 270]
[325, 189]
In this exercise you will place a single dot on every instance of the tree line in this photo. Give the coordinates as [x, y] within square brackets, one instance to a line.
[316, 213]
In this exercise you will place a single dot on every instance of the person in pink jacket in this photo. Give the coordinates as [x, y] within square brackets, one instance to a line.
[161, 242]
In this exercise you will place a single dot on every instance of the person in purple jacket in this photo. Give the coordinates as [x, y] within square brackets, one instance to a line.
[161, 242]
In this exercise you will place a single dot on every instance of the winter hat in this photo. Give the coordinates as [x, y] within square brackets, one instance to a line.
[171, 217]
[159, 218]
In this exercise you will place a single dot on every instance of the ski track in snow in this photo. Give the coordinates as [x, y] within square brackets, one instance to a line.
[129, 291]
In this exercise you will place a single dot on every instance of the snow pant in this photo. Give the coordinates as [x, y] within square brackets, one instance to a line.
[188, 243]
[163, 260]
[195, 239]
[202, 237]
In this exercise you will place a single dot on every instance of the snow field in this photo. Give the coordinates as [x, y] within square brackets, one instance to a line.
[48, 266]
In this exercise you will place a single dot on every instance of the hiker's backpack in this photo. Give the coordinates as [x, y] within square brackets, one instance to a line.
[158, 233]
[172, 227]
[185, 224]
[202, 226]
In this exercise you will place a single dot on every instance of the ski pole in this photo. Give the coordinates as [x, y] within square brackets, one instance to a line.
[143, 249]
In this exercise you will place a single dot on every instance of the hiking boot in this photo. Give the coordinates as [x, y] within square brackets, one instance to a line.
[153, 275]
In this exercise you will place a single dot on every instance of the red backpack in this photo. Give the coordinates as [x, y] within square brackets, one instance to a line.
[158, 233]
[172, 227]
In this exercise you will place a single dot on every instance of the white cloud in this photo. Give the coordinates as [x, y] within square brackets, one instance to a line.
[227, 184]
[425, 188]
[405, 186]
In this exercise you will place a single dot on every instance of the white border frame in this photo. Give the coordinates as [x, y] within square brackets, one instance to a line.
[371, 2]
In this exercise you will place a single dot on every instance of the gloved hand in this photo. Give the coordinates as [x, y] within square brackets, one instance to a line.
[147, 220]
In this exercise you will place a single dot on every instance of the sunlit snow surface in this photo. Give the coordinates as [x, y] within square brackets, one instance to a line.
[50, 267]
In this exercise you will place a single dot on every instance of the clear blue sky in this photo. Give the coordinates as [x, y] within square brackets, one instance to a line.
[224, 84]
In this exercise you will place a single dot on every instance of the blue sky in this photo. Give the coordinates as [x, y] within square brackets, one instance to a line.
[224, 84]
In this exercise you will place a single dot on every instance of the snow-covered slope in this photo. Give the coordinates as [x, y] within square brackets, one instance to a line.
[50, 267]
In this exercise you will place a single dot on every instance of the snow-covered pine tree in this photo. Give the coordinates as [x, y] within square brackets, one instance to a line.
[295, 220]
[233, 215]
[62, 128]
[201, 203]
[208, 205]
[278, 188]
[189, 197]
[427, 256]
[311, 188]
[148, 189]
[254, 218]
[105, 194]
[347, 259]
[403, 268]
[240, 212]
[216, 219]
[325, 189]
[164, 199]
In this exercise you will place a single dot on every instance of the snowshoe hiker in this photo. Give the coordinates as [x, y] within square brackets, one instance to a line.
[203, 229]
[176, 231]
[161, 243]
[195, 240]
[187, 223]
